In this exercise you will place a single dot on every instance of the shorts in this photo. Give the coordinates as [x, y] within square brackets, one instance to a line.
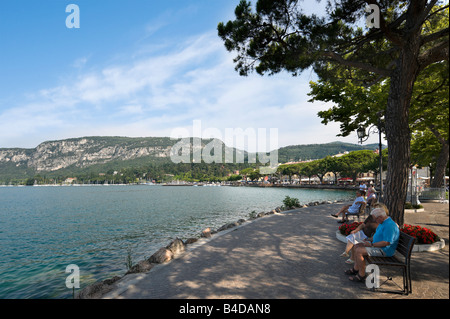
[375, 252]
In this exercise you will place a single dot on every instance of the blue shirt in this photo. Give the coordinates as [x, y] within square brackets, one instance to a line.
[387, 231]
[356, 204]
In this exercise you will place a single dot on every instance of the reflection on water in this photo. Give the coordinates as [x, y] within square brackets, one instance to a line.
[44, 229]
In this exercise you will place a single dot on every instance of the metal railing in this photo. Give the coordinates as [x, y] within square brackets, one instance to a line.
[436, 194]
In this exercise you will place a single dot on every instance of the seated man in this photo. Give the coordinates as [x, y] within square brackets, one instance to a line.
[351, 209]
[363, 232]
[384, 244]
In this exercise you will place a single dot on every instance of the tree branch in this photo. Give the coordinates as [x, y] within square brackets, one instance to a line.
[356, 64]
[425, 12]
[437, 11]
[434, 36]
[435, 54]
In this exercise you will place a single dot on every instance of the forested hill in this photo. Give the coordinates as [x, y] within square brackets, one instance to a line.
[297, 153]
[91, 156]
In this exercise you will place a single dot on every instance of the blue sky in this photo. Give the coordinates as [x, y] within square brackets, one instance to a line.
[139, 68]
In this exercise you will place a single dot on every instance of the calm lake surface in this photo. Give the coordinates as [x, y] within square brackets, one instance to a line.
[45, 229]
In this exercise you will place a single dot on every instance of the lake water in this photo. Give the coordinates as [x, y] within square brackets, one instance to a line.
[45, 229]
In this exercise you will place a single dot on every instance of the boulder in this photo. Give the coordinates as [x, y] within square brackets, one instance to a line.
[163, 255]
[206, 233]
[98, 289]
[176, 247]
[92, 291]
[190, 241]
[228, 226]
[140, 267]
[222, 228]
[111, 280]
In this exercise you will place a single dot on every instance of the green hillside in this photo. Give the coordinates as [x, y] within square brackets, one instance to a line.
[297, 153]
[126, 159]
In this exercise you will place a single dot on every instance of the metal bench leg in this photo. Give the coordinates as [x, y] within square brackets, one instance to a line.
[406, 283]
[409, 280]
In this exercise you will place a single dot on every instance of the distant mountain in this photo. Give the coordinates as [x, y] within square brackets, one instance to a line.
[80, 152]
[297, 153]
[100, 154]
[90, 154]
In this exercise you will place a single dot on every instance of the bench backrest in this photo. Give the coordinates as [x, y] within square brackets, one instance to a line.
[405, 245]
[362, 208]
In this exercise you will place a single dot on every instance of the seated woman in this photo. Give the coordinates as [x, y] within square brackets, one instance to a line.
[363, 232]
[371, 196]
[351, 209]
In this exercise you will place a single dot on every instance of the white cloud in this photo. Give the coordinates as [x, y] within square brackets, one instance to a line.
[155, 94]
[80, 62]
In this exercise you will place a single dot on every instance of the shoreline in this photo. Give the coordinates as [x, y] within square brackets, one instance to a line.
[268, 185]
[265, 260]
[174, 250]
[306, 186]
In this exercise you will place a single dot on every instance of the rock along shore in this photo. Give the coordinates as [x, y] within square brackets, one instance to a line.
[176, 248]
[293, 254]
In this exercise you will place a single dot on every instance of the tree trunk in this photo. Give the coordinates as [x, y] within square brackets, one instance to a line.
[441, 165]
[398, 133]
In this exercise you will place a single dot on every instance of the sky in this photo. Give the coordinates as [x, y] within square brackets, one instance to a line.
[142, 68]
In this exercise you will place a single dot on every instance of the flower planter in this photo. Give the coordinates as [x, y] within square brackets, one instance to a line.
[417, 247]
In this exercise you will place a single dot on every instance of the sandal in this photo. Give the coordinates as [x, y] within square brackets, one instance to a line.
[352, 271]
[341, 221]
[335, 216]
[357, 278]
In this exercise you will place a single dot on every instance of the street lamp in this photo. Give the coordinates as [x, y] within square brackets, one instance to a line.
[361, 131]
[363, 136]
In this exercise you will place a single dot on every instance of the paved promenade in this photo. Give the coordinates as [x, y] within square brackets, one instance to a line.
[291, 255]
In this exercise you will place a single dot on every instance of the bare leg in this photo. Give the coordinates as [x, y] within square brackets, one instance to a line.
[342, 211]
[349, 247]
[360, 263]
[352, 257]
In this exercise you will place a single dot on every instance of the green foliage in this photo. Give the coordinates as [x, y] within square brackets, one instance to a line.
[291, 202]
[234, 178]
[296, 153]
[408, 205]
[348, 165]
[129, 259]
[253, 214]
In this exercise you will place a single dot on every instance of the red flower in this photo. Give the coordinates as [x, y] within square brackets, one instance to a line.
[423, 235]
[346, 229]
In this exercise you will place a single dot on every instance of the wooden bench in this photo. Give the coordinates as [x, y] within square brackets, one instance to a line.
[369, 206]
[404, 248]
[362, 211]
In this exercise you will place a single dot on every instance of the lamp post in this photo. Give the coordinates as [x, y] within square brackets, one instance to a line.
[361, 131]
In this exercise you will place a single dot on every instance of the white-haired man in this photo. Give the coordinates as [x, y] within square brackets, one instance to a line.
[384, 244]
